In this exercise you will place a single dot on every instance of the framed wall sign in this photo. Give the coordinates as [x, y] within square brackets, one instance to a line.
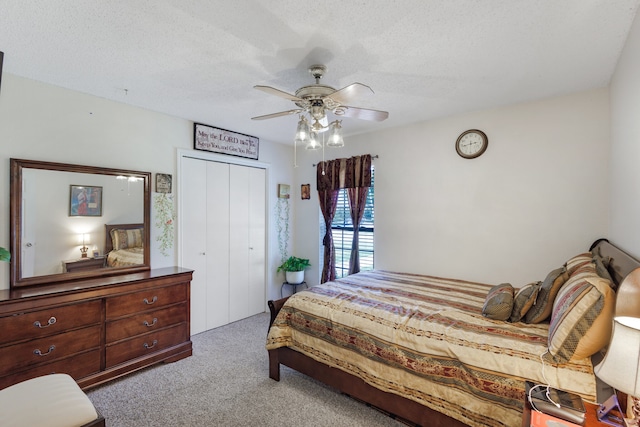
[163, 183]
[85, 200]
[216, 140]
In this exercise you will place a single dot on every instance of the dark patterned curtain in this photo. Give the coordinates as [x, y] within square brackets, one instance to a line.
[328, 183]
[353, 173]
[357, 201]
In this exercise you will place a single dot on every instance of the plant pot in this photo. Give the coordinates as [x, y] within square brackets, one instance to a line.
[294, 277]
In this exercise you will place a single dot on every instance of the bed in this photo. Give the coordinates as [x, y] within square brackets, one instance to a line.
[124, 245]
[427, 350]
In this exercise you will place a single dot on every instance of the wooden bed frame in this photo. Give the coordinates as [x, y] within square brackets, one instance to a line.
[397, 406]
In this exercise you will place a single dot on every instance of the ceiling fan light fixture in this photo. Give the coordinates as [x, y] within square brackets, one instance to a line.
[335, 135]
[313, 143]
[314, 102]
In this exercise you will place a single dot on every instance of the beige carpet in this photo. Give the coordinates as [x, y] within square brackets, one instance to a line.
[226, 383]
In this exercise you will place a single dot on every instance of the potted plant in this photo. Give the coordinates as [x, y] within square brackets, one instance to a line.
[294, 268]
[4, 255]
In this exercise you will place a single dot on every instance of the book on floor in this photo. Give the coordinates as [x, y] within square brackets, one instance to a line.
[540, 419]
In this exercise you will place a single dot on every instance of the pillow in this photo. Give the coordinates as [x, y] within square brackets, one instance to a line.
[541, 310]
[582, 317]
[499, 302]
[573, 263]
[523, 300]
[124, 239]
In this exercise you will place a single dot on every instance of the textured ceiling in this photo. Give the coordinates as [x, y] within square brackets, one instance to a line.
[199, 59]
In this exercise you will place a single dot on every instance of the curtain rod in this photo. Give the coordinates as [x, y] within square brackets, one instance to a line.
[373, 156]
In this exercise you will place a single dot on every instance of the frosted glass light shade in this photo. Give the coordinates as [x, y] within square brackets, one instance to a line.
[302, 132]
[313, 143]
[335, 135]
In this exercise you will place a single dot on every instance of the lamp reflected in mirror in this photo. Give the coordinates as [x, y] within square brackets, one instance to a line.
[84, 237]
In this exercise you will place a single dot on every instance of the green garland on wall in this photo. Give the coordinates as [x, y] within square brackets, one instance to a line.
[165, 219]
[282, 223]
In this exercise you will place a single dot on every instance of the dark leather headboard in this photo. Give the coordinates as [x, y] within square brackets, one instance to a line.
[621, 262]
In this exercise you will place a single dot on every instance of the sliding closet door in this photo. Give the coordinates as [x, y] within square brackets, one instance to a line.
[194, 242]
[247, 242]
[223, 240]
[239, 243]
[257, 240]
[218, 223]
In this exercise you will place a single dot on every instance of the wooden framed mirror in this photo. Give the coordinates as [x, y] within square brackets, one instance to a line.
[67, 220]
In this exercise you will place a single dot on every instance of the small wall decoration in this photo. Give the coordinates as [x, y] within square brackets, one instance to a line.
[163, 183]
[85, 201]
[283, 191]
[305, 191]
[208, 138]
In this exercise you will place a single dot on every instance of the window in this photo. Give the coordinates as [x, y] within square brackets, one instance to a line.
[342, 229]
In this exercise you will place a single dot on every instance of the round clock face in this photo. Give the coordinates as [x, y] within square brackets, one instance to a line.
[471, 144]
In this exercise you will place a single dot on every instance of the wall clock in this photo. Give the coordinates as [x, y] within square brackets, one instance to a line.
[472, 143]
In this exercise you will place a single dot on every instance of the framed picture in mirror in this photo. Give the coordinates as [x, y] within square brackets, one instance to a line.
[85, 200]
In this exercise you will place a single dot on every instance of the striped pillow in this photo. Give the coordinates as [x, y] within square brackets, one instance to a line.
[579, 260]
[524, 300]
[582, 316]
[541, 310]
[499, 302]
[124, 239]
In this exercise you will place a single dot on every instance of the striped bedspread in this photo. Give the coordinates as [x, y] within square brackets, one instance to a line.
[425, 338]
[126, 257]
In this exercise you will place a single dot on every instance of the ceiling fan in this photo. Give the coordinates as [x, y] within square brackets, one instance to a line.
[318, 99]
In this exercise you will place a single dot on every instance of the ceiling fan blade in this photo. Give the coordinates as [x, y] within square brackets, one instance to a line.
[280, 114]
[277, 92]
[349, 93]
[361, 113]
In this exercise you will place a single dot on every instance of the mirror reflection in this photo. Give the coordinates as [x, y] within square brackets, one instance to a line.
[70, 223]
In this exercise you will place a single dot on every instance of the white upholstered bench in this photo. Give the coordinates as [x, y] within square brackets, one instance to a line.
[52, 400]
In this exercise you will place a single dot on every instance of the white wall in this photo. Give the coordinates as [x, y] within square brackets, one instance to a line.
[44, 122]
[625, 151]
[537, 196]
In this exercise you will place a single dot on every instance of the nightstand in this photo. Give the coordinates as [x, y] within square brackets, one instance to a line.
[591, 419]
[82, 264]
[293, 285]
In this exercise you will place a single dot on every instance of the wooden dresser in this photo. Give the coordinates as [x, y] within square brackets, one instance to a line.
[97, 329]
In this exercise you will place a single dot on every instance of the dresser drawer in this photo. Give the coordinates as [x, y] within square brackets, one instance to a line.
[78, 366]
[146, 322]
[48, 349]
[35, 324]
[146, 344]
[145, 300]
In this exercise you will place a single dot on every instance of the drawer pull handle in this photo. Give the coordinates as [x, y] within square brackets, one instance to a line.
[147, 346]
[39, 353]
[153, 323]
[50, 322]
[146, 301]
